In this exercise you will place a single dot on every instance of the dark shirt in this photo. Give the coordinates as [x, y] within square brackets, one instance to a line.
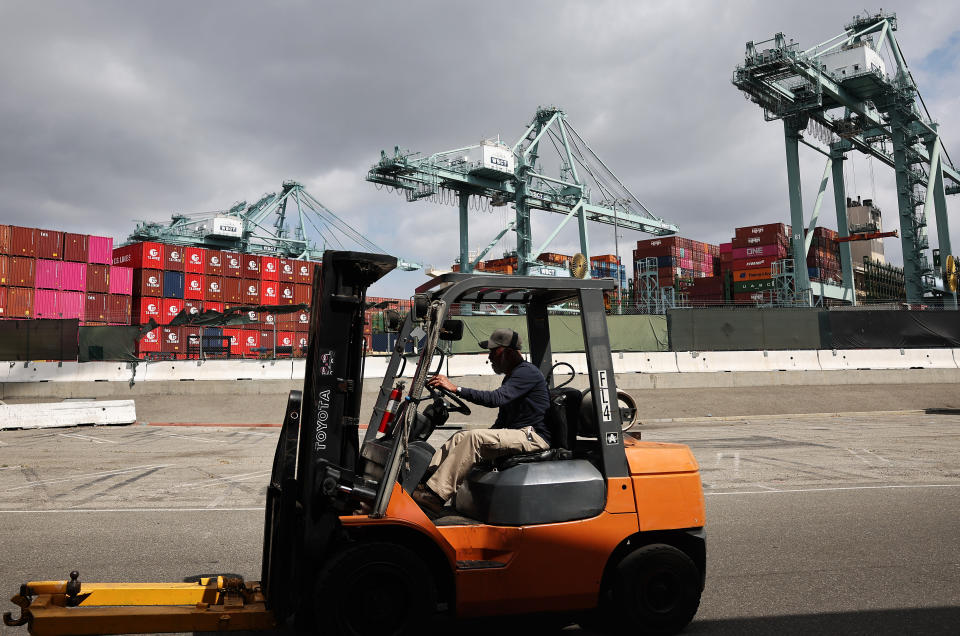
[523, 399]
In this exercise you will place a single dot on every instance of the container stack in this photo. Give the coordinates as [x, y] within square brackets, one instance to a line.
[755, 249]
[505, 265]
[608, 266]
[168, 279]
[61, 275]
[823, 259]
[680, 260]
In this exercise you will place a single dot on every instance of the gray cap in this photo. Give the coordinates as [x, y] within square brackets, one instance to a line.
[502, 338]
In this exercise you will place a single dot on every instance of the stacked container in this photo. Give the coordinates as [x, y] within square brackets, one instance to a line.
[50, 274]
[680, 261]
[755, 249]
[823, 259]
[608, 266]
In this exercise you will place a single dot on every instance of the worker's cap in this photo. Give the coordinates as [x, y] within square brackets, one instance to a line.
[502, 338]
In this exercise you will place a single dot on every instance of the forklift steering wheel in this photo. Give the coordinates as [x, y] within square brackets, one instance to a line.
[459, 405]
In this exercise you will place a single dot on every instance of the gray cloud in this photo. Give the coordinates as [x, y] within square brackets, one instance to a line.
[113, 111]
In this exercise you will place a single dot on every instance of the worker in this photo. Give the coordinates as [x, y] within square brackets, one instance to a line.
[523, 400]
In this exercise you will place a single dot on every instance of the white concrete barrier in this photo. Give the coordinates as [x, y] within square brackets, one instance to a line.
[460, 365]
[929, 358]
[839, 359]
[71, 372]
[219, 370]
[645, 362]
[71, 413]
[722, 361]
[793, 361]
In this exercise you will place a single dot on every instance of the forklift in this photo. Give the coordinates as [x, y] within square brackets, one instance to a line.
[601, 529]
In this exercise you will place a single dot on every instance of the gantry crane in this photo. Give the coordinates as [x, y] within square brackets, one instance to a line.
[262, 227]
[580, 185]
[840, 92]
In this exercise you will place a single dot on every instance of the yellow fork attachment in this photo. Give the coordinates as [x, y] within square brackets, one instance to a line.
[70, 607]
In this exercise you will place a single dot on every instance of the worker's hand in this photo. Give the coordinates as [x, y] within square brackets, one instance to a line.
[443, 382]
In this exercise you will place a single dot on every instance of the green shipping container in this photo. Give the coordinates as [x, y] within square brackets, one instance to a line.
[742, 286]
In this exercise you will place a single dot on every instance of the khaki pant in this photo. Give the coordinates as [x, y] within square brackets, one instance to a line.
[461, 452]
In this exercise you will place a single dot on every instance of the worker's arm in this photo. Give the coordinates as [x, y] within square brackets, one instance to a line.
[518, 384]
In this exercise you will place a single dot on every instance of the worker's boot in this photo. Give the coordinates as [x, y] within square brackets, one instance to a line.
[427, 499]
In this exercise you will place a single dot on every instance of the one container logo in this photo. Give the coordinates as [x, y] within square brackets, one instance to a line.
[233, 341]
[252, 315]
[251, 341]
[287, 268]
[271, 292]
[304, 270]
[153, 252]
[233, 262]
[173, 310]
[252, 290]
[271, 267]
[214, 286]
[270, 319]
[150, 337]
[175, 256]
[753, 240]
[304, 318]
[287, 292]
[153, 281]
[173, 338]
[194, 310]
[303, 342]
[757, 230]
[286, 341]
[195, 259]
[655, 243]
[195, 284]
[151, 308]
[252, 265]
[215, 261]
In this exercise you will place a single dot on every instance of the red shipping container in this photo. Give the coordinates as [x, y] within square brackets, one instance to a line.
[171, 340]
[751, 274]
[751, 241]
[96, 308]
[4, 269]
[303, 319]
[268, 319]
[235, 336]
[23, 241]
[749, 297]
[287, 321]
[193, 286]
[45, 304]
[73, 276]
[121, 280]
[3, 302]
[250, 341]
[49, 244]
[48, 274]
[193, 307]
[98, 278]
[191, 338]
[251, 291]
[304, 272]
[150, 343]
[285, 339]
[232, 264]
[19, 302]
[266, 340]
[231, 290]
[147, 255]
[195, 260]
[214, 263]
[76, 247]
[119, 309]
[100, 250]
[70, 304]
[173, 258]
[301, 294]
[287, 293]
[209, 305]
[269, 268]
[269, 292]
[777, 251]
[4, 239]
[23, 271]
[251, 266]
[146, 308]
[769, 230]
[754, 263]
[288, 274]
[302, 338]
[214, 288]
[170, 307]
[147, 282]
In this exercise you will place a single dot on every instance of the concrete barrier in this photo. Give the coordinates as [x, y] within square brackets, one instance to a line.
[61, 414]
[723, 361]
[645, 362]
[793, 361]
[219, 370]
[71, 371]
[839, 359]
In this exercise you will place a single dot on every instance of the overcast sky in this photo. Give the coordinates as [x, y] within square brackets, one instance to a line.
[116, 111]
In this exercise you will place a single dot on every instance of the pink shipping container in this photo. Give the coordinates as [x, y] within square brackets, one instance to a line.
[73, 277]
[45, 303]
[70, 304]
[100, 250]
[121, 280]
[48, 274]
[760, 250]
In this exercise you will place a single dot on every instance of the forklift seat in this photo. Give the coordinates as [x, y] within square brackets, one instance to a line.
[562, 419]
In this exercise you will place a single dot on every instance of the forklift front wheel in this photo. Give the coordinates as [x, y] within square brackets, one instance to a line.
[374, 588]
[656, 590]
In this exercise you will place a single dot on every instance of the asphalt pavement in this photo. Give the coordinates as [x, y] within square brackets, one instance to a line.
[815, 524]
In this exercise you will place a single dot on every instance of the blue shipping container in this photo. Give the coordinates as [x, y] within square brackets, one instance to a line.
[173, 284]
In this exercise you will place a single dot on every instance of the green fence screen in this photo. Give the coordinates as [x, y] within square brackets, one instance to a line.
[627, 333]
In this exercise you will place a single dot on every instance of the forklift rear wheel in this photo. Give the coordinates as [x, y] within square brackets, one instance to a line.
[656, 590]
[374, 588]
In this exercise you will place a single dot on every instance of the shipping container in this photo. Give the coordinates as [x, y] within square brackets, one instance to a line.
[23, 271]
[193, 307]
[4, 239]
[23, 241]
[119, 309]
[121, 280]
[301, 294]
[73, 276]
[302, 337]
[146, 255]
[287, 293]
[304, 271]
[213, 288]
[751, 274]
[269, 292]
[209, 305]
[173, 285]
[269, 268]
[45, 303]
[287, 272]
[194, 286]
[742, 286]
[70, 304]
[251, 291]
[150, 343]
[250, 342]
[96, 308]
[750, 298]
[173, 258]
[251, 266]
[100, 250]
[76, 247]
[751, 241]
[50, 245]
[778, 251]
[48, 274]
[285, 339]
[147, 282]
[170, 340]
[232, 264]
[191, 339]
[195, 262]
[146, 308]
[214, 263]
[232, 290]
[169, 309]
[303, 319]
[268, 318]
[3, 302]
[19, 302]
[4, 269]
[235, 336]
[769, 230]
[254, 318]
[98, 278]
[755, 263]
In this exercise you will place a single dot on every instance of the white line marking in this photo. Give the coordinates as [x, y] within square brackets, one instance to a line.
[96, 440]
[857, 455]
[73, 510]
[74, 477]
[771, 492]
[240, 477]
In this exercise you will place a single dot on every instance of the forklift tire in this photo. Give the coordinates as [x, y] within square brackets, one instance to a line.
[655, 590]
[373, 588]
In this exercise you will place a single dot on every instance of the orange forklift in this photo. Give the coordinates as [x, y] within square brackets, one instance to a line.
[601, 529]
